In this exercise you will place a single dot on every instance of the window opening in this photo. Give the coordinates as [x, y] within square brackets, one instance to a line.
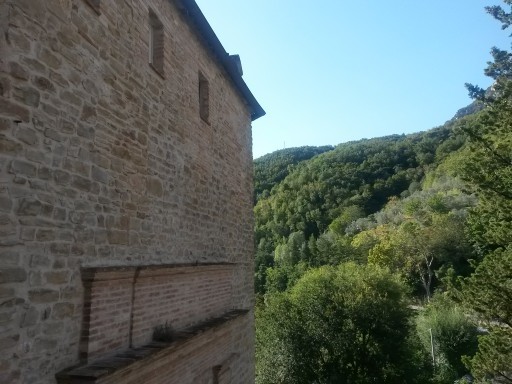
[156, 43]
[204, 96]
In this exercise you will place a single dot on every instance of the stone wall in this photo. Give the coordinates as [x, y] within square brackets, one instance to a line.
[105, 162]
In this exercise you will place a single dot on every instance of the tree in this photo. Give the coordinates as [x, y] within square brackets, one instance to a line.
[489, 293]
[492, 360]
[443, 326]
[488, 169]
[349, 324]
[423, 245]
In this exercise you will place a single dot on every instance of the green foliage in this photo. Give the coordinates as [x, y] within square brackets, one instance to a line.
[272, 168]
[421, 236]
[489, 289]
[489, 293]
[364, 174]
[327, 193]
[333, 249]
[488, 169]
[279, 279]
[346, 217]
[453, 336]
[349, 324]
[493, 361]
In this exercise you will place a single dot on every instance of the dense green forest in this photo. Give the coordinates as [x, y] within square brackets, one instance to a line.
[389, 260]
[272, 168]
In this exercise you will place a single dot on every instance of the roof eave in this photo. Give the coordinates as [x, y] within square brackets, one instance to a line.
[193, 13]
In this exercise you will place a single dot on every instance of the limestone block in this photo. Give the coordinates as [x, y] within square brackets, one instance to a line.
[12, 275]
[39, 296]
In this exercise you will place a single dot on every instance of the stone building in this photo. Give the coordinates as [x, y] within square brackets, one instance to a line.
[125, 196]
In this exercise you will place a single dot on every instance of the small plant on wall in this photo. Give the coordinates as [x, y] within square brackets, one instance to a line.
[163, 332]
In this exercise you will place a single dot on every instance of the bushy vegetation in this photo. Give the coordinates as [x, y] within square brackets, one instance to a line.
[349, 239]
[344, 324]
[446, 333]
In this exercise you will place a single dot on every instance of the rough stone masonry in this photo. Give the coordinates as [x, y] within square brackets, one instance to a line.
[125, 194]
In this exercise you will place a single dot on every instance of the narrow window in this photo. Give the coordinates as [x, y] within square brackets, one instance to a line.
[216, 372]
[156, 43]
[94, 4]
[204, 96]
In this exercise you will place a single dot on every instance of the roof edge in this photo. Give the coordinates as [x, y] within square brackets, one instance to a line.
[193, 13]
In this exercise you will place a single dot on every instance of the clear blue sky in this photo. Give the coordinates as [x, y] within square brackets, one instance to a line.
[332, 71]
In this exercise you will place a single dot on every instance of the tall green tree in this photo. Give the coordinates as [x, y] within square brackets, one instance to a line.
[345, 324]
[489, 293]
[489, 170]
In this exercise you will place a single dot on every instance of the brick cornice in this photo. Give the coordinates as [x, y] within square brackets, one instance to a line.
[106, 273]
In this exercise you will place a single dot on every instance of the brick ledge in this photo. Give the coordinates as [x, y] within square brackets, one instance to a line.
[128, 271]
[90, 373]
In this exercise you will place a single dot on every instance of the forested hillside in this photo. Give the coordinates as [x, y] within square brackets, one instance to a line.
[274, 167]
[389, 260]
[331, 190]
